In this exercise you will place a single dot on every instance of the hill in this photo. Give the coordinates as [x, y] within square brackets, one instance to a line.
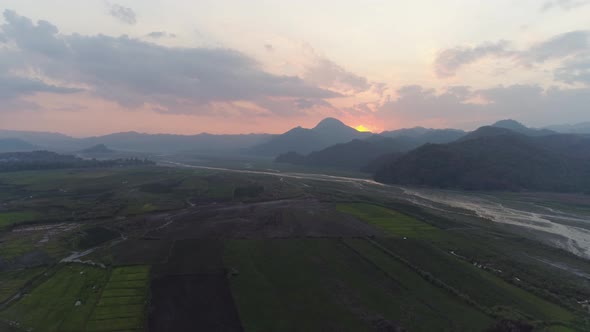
[99, 148]
[578, 128]
[503, 160]
[426, 134]
[43, 140]
[361, 154]
[42, 160]
[15, 145]
[353, 155]
[486, 131]
[140, 142]
[328, 132]
[520, 128]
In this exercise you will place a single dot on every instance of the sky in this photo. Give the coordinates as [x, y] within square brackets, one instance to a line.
[234, 66]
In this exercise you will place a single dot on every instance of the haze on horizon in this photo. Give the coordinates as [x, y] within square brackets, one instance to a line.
[96, 67]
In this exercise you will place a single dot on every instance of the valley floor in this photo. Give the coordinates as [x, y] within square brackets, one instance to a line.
[184, 248]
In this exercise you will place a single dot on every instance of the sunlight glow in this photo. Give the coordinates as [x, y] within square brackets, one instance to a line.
[362, 128]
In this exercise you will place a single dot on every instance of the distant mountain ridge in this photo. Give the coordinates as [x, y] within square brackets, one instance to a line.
[579, 128]
[487, 131]
[43, 160]
[327, 132]
[99, 148]
[351, 156]
[520, 128]
[16, 145]
[42, 140]
[426, 134]
[494, 158]
[140, 142]
[357, 154]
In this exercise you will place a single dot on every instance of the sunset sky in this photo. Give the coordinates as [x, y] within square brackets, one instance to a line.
[235, 66]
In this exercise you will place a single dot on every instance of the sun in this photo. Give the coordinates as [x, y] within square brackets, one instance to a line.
[362, 128]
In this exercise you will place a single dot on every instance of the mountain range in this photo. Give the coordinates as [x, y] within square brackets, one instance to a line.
[520, 128]
[15, 145]
[579, 128]
[97, 149]
[503, 156]
[357, 153]
[496, 158]
[328, 132]
[139, 142]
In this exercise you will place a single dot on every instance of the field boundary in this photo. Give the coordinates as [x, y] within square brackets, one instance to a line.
[464, 297]
[432, 279]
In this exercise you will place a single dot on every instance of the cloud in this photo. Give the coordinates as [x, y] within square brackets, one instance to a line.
[303, 103]
[123, 14]
[18, 105]
[37, 38]
[574, 71]
[133, 72]
[14, 86]
[327, 73]
[160, 34]
[572, 49]
[564, 4]
[562, 45]
[41, 38]
[468, 107]
[450, 60]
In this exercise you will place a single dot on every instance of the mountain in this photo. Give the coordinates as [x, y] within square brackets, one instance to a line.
[36, 156]
[353, 155]
[15, 145]
[377, 163]
[41, 160]
[99, 149]
[506, 160]
[520, 128]
[579, 128]
[44, 140]
[426, 134]
[506, 127]
[359, 154]
[298, 140]
[328, 132]
[140, 142]
[486, 131]
[336, 131]
[168, 143]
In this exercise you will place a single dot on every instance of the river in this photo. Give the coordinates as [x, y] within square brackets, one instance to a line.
[567, 229]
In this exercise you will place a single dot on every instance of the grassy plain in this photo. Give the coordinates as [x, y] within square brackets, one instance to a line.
[392, 222]
[287, 254]
[122, 301]
[319, 285]
[426, 249]
[61, 303]
[10, 218]
[12, 281]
